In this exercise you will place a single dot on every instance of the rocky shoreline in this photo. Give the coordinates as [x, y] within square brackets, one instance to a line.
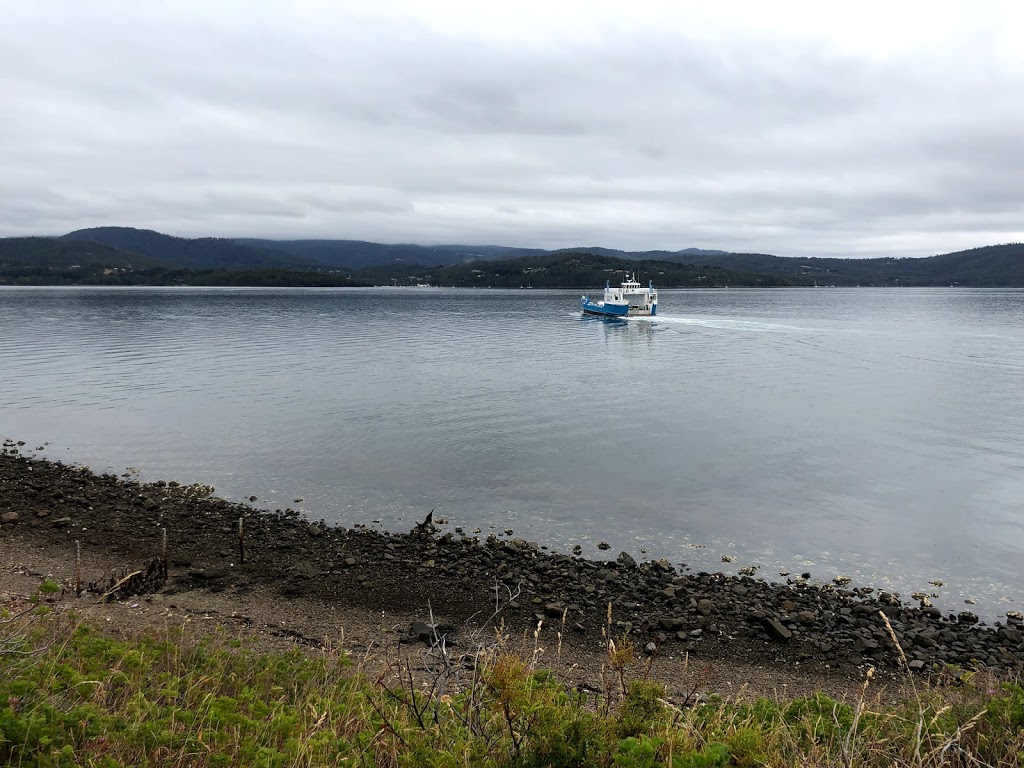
[462, 578]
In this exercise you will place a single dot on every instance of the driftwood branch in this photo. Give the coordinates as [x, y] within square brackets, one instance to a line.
[119, 585]
[139, 582]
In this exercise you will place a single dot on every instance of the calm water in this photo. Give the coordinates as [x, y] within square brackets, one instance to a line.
[873, 433]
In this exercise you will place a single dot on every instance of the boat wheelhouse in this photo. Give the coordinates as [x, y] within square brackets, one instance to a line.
[630, 299]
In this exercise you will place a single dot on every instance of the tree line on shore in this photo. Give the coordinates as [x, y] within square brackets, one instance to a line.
[139, 257]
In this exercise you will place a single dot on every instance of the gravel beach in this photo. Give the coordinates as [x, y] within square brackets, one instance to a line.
[300, 581]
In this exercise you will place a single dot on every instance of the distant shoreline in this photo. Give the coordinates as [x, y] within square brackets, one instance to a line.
[681, 289]
[122, 255]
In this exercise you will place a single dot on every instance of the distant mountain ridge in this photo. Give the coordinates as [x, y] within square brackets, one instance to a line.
[126, 249]
[187, 253]
[686, 255]
[209, 252]
[355, 254]
[988, 266]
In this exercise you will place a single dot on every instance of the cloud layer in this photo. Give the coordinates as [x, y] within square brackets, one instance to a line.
[808, 130]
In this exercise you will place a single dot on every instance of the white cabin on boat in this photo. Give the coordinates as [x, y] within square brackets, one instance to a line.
[642, 300]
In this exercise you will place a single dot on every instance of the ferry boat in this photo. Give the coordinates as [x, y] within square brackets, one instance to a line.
[628, 300]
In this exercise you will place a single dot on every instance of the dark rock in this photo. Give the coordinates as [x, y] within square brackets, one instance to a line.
[603, 545]
[431, 634]
[304, 570]
[9, 517]
[626, 560]
[554, 610]
[705, 607]
[1011, 635]
[862, 644]
[672, 623]
[925, 641]
[776, 631]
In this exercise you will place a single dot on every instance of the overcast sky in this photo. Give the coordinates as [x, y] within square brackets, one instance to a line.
[800, 129]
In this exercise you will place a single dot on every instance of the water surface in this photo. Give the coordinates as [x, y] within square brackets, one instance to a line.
[877, 434]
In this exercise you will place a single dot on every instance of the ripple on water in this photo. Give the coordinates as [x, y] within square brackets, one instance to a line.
[874, 434]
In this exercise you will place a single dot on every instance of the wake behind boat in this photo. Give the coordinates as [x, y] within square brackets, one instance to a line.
[628, 300]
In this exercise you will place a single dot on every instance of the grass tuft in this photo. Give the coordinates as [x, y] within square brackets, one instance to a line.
[73, 696]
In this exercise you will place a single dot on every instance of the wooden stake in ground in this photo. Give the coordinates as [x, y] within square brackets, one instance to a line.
[241, 541]
[78, 568]
[163, 553]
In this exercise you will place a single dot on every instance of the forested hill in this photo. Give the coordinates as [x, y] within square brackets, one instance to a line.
[993, 265]
[47, 252]
[569, 270]
[58, 261]
[187, 253]
[989, 266]
[355, 254]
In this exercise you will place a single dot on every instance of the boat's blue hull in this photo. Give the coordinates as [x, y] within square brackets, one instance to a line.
[603, 310]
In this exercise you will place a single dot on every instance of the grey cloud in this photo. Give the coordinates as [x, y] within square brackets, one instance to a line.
[318, 121]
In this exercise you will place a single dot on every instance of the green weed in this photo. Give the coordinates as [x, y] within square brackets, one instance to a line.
[72, 696]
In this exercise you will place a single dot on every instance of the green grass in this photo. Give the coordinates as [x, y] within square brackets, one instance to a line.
[73, 696]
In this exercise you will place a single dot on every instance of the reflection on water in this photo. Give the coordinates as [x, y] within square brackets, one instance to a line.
[877, 434]
[617, 331]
